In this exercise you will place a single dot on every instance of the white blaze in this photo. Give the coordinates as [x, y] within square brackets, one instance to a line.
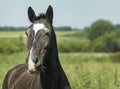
[31, 65]
[38, 26]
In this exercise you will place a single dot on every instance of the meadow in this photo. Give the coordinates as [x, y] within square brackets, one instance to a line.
[84, 70]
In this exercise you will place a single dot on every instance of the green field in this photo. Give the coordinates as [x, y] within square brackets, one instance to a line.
[11, 34]
[84, 70]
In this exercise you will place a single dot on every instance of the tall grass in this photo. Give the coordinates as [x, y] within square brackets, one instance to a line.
[84, 70]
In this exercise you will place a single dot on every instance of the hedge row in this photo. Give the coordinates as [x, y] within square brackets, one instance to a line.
[11, 46]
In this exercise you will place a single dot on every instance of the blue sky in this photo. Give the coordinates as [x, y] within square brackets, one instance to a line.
[74, 13]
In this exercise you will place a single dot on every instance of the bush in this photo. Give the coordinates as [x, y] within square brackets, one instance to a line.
[115, 57]
[11, 46]
[73, 45]
[99, 28]
[107, 43]
[98, 46]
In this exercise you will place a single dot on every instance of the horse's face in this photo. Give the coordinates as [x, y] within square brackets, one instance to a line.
[38, 39]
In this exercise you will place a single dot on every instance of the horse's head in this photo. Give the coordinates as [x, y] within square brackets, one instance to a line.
[38, 38]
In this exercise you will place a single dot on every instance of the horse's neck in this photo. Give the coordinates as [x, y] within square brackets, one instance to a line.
[53, 50]
[53, 57]
[51, 75]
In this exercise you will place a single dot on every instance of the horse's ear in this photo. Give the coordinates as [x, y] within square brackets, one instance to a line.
[31, 14]
[49, 13]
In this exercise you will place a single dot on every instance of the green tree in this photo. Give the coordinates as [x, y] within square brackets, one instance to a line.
[99, 28]
[107, 43]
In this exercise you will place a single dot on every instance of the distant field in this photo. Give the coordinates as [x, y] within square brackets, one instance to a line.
[11, 34]
[18, 34]
[61, 35]
[65, 33]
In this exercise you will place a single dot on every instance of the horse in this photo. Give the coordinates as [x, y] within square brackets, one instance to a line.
[42, 69]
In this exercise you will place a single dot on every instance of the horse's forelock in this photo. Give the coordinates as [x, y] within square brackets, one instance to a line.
[41, 16]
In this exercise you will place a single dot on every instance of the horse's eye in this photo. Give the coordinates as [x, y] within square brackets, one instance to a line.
[26, 33]
[47, 33]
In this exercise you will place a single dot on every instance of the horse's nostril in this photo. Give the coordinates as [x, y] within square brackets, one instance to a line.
[36, 60]
[45, 47]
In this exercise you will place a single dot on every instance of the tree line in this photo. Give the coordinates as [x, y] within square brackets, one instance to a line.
[64, 28]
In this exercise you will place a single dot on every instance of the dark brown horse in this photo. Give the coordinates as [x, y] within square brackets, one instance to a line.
[42, 69]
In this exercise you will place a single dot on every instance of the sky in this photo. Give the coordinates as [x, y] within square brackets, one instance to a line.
[74, 13]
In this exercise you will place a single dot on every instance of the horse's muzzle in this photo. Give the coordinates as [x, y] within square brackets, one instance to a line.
[33, 64]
